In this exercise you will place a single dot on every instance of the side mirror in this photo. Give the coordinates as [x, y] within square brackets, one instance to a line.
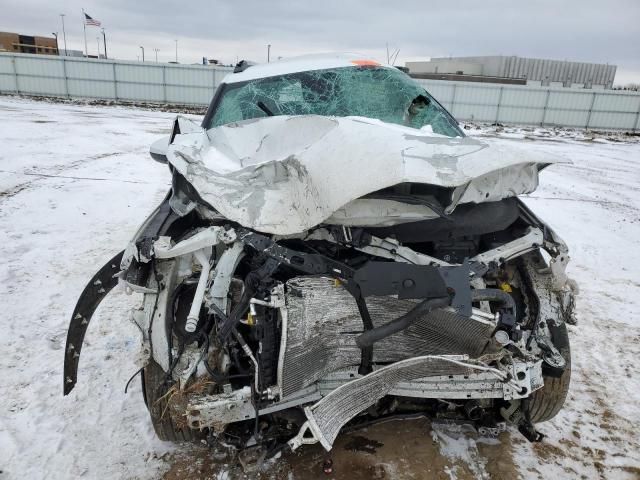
[158, 150]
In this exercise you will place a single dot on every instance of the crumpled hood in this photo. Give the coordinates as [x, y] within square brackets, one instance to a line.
[286, 174]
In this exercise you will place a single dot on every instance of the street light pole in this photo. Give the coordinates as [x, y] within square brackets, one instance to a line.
[268, 53]
[98, 40]
[55, 34]
[64, 35]
[104, 40]
[176, 50]
[142, 48]
[156, 50]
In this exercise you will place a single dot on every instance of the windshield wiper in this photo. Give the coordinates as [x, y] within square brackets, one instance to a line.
[264, 108]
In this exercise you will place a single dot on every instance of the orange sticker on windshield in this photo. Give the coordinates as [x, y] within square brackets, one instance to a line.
[365, 63]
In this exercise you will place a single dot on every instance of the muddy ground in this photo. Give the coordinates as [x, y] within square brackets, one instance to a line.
[395, 449]
[404, 449]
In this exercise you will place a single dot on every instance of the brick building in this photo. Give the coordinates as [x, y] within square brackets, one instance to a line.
[17, 43]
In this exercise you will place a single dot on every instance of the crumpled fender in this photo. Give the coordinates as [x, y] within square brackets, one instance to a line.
[96, 290]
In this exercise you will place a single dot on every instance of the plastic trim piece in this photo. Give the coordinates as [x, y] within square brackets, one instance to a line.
[96, 290]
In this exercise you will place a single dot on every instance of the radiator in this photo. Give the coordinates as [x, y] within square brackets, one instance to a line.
[321, 321]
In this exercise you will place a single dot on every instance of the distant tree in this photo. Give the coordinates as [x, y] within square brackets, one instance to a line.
[630, 86]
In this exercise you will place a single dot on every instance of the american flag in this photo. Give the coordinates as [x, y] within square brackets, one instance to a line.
[90, 21]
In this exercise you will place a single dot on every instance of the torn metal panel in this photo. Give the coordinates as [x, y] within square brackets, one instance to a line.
[286, 174]
[531, 240]
[157, 308]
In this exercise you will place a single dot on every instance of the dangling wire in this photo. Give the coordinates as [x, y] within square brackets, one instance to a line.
[126, 387]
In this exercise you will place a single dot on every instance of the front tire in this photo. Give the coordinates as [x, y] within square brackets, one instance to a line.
[154, 390]
[546, 402]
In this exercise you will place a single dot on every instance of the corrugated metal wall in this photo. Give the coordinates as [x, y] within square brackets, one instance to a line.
[558, 71]
[109, 79]
[515, 104]
[194, 85]
[536, 69]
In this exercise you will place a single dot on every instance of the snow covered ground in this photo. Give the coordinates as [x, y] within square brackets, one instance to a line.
[76, 181]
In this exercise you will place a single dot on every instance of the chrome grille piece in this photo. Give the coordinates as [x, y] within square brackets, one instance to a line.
[322, 321]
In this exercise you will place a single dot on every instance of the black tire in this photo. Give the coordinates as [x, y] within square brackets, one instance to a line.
[154, 389]
[546, 402]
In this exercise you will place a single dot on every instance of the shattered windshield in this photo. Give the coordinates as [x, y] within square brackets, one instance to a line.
[385, 94]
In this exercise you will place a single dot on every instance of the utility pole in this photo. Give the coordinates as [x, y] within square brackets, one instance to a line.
[176, 50]
[268, 53]
[64, 35]
[142, 48]
[156, 50]
[55, 34]
[104, 40]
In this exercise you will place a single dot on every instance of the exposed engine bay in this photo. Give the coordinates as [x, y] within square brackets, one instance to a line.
[439, 293]
[338, 321]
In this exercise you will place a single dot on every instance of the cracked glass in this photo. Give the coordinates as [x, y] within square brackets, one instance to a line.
[385, 94]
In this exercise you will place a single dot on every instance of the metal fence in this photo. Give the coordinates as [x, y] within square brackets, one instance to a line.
[194, 85]
[545, 106]
[109, 79]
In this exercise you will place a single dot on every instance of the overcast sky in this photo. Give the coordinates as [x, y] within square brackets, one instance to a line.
[603, 31]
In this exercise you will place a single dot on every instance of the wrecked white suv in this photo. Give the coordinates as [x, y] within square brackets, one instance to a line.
[334, 250]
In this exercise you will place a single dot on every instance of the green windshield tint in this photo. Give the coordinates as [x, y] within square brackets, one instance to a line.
[386, 94]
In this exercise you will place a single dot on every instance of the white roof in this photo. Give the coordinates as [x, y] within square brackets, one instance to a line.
[303, 63]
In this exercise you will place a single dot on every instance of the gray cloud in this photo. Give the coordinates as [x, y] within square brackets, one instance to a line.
[581, 30]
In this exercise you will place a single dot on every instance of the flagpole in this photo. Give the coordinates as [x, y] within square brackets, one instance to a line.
[84, 26]
[64, 34]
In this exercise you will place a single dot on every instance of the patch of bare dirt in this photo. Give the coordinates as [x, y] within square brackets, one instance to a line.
[399, 449]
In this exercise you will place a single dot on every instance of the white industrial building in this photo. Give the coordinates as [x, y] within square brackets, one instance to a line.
[512, 69]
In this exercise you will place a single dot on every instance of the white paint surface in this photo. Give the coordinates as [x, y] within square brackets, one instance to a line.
[286, 174]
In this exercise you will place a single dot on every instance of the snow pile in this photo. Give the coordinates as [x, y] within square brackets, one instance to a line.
[456, 442]
[550, 133]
